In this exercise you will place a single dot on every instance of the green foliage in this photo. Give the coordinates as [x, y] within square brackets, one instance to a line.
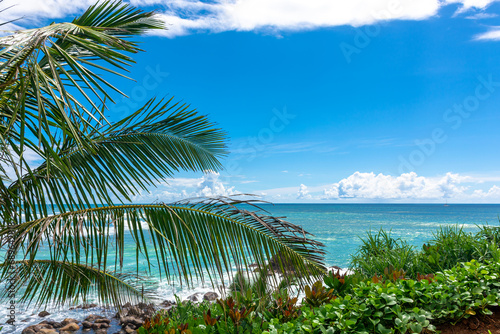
[317, 294]
[380, 250]
[400, 306]
[381, 254]
[341, 284]
[404, 306]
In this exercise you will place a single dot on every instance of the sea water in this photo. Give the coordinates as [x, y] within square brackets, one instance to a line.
[338, 226]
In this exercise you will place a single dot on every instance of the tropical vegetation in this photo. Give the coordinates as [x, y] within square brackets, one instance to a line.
[69, 174]
[389, 301]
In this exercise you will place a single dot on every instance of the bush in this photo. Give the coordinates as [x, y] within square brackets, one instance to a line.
[380, 252]
[405, 305]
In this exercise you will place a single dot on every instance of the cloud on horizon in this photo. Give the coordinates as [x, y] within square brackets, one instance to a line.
[189, 16]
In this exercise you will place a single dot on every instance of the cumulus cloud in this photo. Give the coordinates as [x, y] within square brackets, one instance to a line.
[405, 186]
[187, 16]
[492, 193]
[209, 185]
[303, 193]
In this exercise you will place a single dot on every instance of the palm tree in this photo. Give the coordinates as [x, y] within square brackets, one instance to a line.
[67, 215]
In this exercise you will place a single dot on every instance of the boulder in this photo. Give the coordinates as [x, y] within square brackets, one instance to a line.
[38, 327]
[69, 320]
[70, 327]
[129, 330]
[194, 298]
[52, 323]
[47, 331]
[102, 319]
[86, 324]
[28, 330]
[167, 303]
[93, 317]
[132, 321]
[87, 306]
[210, 296]
[101, 331]
[43, 314]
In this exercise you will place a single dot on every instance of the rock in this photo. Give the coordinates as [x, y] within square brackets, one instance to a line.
[70, 327]
[101, 331]
[86, 324]
[64, 332]
[38, 327]
[25, 320]
[134, 310]
[87, 306]
[133, 321]
[43, 314]
[210, 296]
[93, 317]
[86, 329]
[194, 298]
[167, 303]
[28, 330]
[103, 319]
[69, 321]
[47, 331]
[100, 325]
[129, 330]
[52, 323]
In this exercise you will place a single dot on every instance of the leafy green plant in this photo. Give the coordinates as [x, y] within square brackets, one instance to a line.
[317, 294]
[238, 314]
[380, 250]
[283, 307]
[341, 284]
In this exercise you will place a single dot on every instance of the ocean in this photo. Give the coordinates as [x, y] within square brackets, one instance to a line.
[338, 226]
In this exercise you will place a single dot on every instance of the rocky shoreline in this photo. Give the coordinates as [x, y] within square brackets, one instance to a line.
[126, 321]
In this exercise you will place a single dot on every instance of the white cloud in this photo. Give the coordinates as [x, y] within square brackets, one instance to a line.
[303, 193]
[187, 16]
[468, 4]
[492, 35]
[30, 157]
[492, 193]
[481, 16]
[405, 186]
[209, 185]
[289, 15]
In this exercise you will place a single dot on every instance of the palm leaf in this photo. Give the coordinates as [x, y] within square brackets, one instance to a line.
[190, 240]
[64, 282]
[132, 155]
[47, 73]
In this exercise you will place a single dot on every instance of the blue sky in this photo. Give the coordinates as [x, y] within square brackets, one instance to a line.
[371, 101]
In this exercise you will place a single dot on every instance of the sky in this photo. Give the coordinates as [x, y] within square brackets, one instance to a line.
[324, 101]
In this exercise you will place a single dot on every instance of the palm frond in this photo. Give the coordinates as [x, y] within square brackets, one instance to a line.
[189, 240]
[63, 282]
[132, 155]
[47, 74]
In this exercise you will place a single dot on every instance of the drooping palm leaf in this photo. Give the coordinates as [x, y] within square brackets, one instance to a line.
[159, 139]
[63, 281]
[187, 239]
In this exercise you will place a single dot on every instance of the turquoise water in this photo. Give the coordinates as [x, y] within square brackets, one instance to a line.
[338, 226]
